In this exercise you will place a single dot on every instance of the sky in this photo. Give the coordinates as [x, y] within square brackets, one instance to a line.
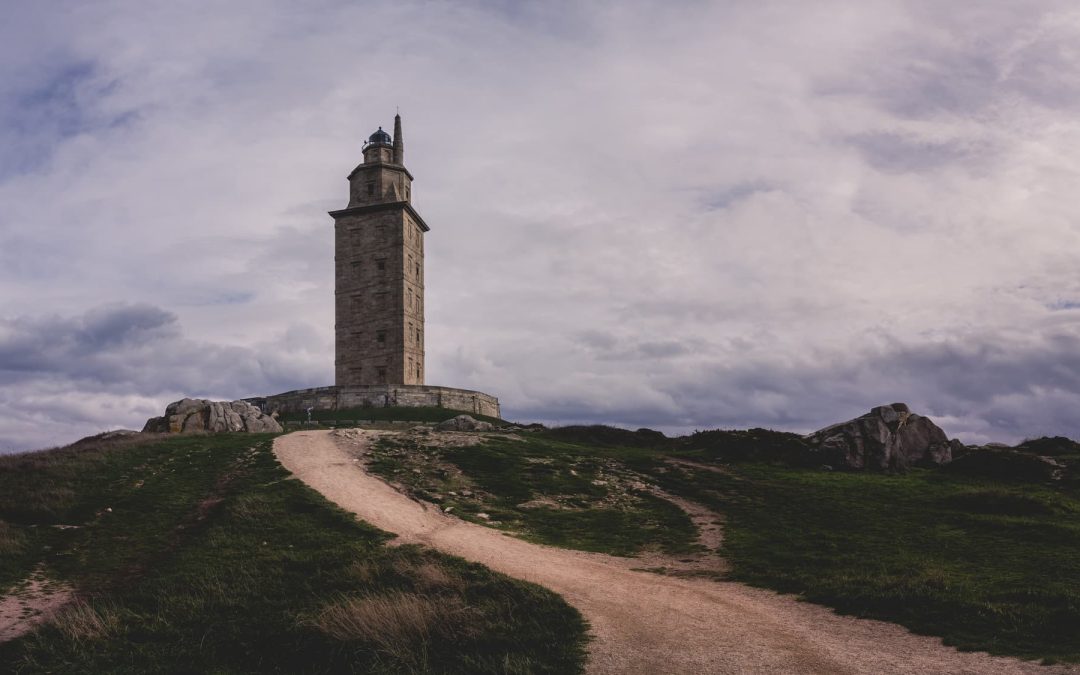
[677, 215]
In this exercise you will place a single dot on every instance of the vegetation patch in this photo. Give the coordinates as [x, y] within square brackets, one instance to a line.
[985, 565]
[999, 502]
[348, 416]
[548, 491]
[197, 554]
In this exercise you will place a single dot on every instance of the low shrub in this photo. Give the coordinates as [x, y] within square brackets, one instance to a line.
[998, 502]
[599, 434]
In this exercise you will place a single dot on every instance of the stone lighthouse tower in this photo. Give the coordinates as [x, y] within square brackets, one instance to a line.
[379, 299]
[379, 271]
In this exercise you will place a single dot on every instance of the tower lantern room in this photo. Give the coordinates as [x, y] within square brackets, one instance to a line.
[382, 177]
[379, 148]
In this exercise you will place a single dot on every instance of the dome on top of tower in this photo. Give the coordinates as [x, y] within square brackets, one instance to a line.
[380, 137]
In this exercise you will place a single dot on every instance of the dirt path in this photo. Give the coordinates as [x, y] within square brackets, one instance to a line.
[641, 622]
[30, 603]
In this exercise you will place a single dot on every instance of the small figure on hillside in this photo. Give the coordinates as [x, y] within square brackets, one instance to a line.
[309, 414]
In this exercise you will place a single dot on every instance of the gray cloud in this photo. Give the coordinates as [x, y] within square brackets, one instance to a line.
[676, 215]
[84, 371]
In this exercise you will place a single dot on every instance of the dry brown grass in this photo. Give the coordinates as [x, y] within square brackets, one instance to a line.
[399, 624]
[81, 622]
[425, 575]
[430, 576]
[364, 571]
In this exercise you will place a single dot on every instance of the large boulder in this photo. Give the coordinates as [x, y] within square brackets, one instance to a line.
[463, 423]
[889, 437]
[197, 415]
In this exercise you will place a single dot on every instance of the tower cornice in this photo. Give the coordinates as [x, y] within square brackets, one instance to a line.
[379, 165]
[382, 206]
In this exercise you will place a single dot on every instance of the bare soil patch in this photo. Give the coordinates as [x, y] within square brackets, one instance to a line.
[32, 602]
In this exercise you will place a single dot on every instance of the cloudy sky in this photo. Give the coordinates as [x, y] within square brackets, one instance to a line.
[678, 215]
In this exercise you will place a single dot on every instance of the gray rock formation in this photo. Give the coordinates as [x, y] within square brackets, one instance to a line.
[463, 423]
[889, 437]
[196, 415]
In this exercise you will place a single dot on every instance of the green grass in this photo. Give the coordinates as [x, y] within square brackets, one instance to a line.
[988, 565]
[175, 573]
[587, 501]
[390, 414]
[654, 524]
[211, 560]
[985, 565]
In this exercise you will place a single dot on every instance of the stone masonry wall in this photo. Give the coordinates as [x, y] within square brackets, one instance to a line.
[379, 299]
[377, 396]
[379, 277]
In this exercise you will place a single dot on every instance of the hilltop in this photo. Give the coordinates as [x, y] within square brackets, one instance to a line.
[195, 552]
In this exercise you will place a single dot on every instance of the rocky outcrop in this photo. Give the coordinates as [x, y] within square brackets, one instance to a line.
[889, 437]
[463, 423]
[196, 415]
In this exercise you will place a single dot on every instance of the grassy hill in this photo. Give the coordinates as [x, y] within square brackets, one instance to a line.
[986, 564]
[197, 554]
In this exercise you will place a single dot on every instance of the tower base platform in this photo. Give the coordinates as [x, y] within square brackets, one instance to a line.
[380, 396]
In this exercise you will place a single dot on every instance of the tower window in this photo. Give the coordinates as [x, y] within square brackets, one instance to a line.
[380, 373]
[418, 336]
[371, 188]
[380, 264]
[380, 337]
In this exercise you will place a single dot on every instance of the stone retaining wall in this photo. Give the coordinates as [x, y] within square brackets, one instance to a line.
[378, 396]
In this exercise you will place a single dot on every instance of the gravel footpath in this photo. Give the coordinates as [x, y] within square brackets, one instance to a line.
[643, 622]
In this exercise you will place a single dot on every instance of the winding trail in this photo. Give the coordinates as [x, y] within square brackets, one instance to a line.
[642, 622]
